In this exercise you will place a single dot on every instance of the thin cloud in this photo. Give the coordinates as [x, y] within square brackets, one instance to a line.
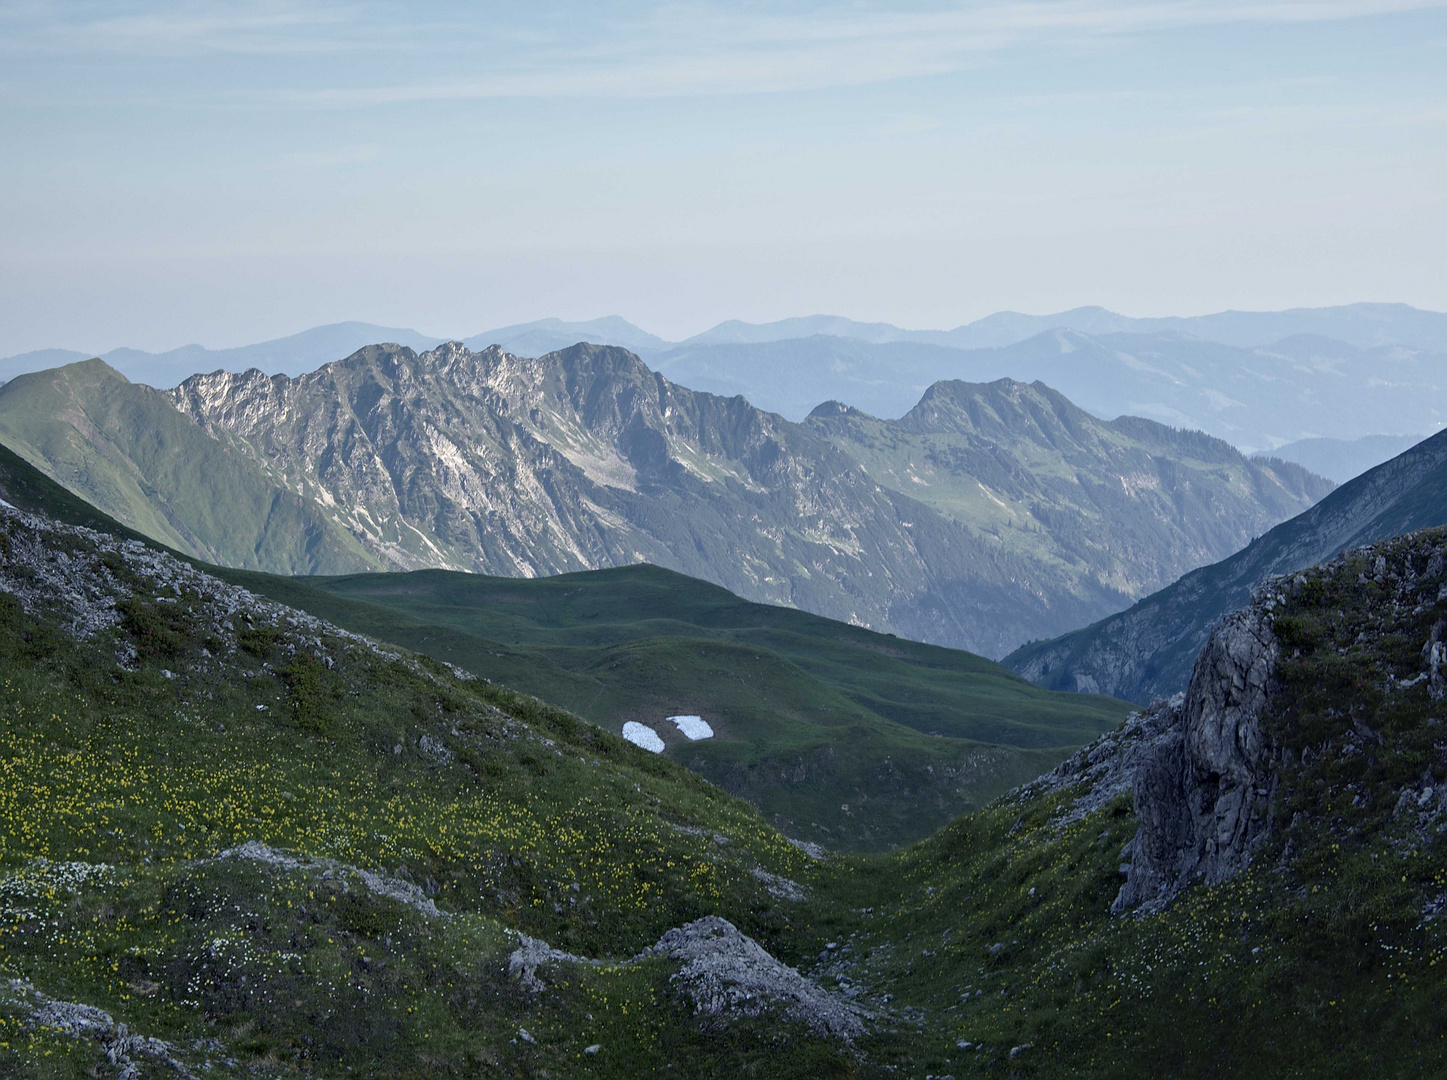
[663, 50]
[703, 50]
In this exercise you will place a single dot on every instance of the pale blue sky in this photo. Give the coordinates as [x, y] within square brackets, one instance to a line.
[227, 172]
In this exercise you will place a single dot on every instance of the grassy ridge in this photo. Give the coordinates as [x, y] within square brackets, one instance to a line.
[126, 449]
[843, 736]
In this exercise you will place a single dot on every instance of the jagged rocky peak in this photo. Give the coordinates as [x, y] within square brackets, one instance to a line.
[827, 409]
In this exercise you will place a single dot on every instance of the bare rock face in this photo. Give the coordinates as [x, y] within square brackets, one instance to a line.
[1203, 792]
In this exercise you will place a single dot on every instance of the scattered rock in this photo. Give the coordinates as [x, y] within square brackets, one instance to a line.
[434, 750]
[531, 954]
[780, 887]
[725, 972]
[809, 848]
[87, 1022]
[404, 892]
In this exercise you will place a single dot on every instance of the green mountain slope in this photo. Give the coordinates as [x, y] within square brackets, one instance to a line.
[842, 736]
[238, 840]
[124, 448]
[1148, 650]
[1096, 505]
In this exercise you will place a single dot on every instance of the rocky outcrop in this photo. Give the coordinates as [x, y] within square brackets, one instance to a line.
[1202, 794]
[728, 973]
[403, 892]
[1198, 767]
[86, 1022]
[724, 972]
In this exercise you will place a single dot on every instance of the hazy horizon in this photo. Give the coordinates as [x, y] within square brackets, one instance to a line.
[231, 173]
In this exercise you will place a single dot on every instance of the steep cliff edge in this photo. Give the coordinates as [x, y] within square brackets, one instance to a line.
[1313, 717]
[1203, 796]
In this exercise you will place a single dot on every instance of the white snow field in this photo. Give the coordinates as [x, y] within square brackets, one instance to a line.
[642, 735]
[694, 727]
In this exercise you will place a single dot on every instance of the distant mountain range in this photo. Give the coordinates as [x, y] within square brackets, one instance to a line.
[1363, 325]
[1341, 460]
[1256, 398]
[1257, 379]
[990, 516]
[1148, 650]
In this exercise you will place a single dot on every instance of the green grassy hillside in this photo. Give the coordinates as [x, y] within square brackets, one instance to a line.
[153, 719]
[853, 739]
[124, 448]
[1125, 505]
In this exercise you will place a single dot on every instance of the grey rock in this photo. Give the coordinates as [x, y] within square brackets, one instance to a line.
[726, 972]
[404, 892]
[778, 886]
[1202, 792]
[531, 954]
[79, 1021]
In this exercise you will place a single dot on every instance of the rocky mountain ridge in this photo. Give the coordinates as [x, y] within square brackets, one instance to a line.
[585, 458]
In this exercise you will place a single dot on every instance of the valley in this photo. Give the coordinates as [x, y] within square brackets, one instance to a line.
[1147, 650]
[901, 540]
[841, 736]
[237, 837]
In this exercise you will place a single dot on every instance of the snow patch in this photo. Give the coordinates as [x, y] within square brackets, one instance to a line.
[642, 735]
[693, 727]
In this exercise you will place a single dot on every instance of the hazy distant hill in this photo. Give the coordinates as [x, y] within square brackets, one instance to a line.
[1343, 459]
[585, 458]
[289, 355]
[1148, 650]
[1256, 398]
[791, 377]
[1362, 325]
[549, 335]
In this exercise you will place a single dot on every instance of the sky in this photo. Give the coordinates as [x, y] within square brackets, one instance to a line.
[225, 173]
